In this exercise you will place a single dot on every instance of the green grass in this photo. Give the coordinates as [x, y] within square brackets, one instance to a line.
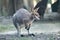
[7, 27]
[25, 38]
[40, 25]
[21, 38]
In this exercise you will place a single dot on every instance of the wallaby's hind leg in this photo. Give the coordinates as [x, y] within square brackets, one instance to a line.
[17, 27]
[18, 32]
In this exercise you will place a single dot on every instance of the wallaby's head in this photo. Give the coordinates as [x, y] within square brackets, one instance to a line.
[35, 15]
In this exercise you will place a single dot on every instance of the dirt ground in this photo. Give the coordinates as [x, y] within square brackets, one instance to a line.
[41, 36]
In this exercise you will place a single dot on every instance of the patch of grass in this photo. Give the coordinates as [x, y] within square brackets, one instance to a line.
[25, 38]
[4, 28]
[21, 38]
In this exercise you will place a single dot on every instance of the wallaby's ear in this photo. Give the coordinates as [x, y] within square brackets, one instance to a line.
[32, 10]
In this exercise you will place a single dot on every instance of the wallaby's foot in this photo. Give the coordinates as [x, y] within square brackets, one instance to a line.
[32, 35]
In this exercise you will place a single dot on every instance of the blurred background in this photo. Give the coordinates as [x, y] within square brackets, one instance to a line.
[9, 7]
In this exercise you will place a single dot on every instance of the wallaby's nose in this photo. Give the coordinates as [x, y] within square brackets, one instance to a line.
[39, 16]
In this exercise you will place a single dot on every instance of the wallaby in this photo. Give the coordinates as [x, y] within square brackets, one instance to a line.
[23, 16]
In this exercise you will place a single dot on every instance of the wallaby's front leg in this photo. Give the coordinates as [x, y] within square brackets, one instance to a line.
[27, 26]
[28, 29]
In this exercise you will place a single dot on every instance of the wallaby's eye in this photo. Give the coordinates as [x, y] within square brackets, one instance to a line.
[36, 14]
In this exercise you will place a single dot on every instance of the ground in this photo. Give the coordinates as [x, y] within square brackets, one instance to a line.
[50, 25]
